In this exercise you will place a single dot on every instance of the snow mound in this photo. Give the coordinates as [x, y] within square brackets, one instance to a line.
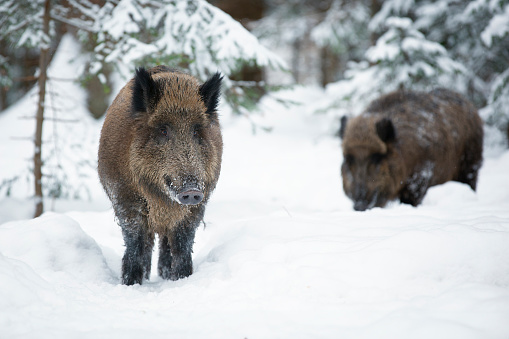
[449, 194]
[53, 246]
[20, 286]
[282, 255]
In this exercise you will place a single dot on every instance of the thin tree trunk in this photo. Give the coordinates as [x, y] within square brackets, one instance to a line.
[43, 65]
[295, 60]
[375, 7]
[328, 65]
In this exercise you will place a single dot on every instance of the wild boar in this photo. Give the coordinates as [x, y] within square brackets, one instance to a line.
[159, 161]
[405, 142]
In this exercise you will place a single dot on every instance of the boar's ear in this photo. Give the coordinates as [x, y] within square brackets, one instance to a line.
[385, 130]
[144, 91]
[210, 92]
[342, 126]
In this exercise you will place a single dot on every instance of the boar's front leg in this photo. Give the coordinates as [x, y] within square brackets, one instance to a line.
[138, 254]
[176, 248]
[139, 242]
[417, 186]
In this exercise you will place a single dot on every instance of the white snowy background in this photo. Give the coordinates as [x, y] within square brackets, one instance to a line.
[282, 254]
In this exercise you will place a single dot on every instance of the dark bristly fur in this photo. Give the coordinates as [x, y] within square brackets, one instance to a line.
[406, 142]
[159, 161]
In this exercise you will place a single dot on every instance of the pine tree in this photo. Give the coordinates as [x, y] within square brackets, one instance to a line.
[319, 36]
[495, 36]
[30, 24]
[401, 58]
[420, 44]
[476, 34]
[343, 35]
[193, 35]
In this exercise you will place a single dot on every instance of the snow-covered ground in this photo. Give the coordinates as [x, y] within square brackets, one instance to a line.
[282, 255]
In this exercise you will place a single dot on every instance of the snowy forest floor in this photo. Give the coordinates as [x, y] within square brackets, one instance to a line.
[282, 254]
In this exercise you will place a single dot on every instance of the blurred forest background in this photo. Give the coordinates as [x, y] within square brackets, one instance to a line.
[354, 49]
[462, 45]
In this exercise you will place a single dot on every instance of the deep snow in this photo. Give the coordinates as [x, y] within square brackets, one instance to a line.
[282, 254]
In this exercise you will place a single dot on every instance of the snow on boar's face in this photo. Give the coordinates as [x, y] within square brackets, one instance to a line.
[176, 150]
[368, 159]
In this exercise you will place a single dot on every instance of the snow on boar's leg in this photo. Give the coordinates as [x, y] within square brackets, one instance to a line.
[405, 142]
[159, 161]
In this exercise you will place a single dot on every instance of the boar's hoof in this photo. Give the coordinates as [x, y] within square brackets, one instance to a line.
[190, 197]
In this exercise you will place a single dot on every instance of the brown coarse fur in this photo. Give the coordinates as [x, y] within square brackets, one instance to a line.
[406, 142]
[160, 145]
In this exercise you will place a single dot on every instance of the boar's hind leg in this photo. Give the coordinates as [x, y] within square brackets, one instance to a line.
[176, 248]
[470, 164]
[139, 242]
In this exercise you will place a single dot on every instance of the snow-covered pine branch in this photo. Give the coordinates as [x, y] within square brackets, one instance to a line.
[495, 37]
[189, 34]
[401, 58]
[498, 26]
[344, 27]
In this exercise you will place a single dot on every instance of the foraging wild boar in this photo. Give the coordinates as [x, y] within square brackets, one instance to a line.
[406, 142]
[159, 161]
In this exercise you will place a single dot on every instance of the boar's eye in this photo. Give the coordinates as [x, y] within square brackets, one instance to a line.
[197, 131]
[376, 158]
[163, 130]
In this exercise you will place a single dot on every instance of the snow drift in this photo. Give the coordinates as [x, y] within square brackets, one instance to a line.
[286, 258]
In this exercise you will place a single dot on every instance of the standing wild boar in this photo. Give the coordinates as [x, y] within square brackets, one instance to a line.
[406, 142]
[159, 161]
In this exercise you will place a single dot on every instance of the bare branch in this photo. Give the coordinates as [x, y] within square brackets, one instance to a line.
[80, 24]
[62, 79]
[22, 138]
[27, 78]
[27, 117]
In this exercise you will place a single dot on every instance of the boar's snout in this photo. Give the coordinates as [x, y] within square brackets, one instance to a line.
[188, 191]
[365, 199]
[190, 197]
[360, 205]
